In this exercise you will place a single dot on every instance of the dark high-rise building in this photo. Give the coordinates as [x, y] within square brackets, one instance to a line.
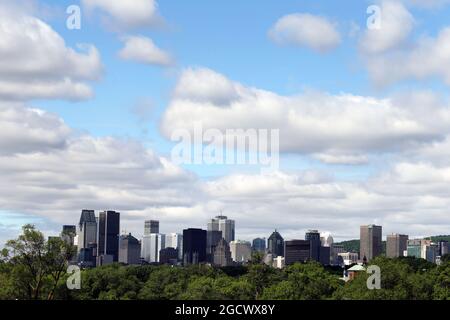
[259, 245]
[212, 239]
[222, 254]
[442, 247]
[168, 256]
[129, 249]
[108, 235]
[275, 244]
[151, 226]
[313, 236]
[324, 255]
[370, 242]
[396, 244]
[297, 251]
[194, 246]
[87, 229]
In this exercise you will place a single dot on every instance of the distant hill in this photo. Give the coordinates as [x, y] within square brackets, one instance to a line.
[353, 245]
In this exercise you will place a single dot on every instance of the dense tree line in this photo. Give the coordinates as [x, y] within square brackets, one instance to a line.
[32, 268]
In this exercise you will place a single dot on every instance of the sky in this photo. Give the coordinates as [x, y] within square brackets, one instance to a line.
[357, 89]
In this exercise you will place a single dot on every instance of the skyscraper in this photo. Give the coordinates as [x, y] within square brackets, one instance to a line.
[175, 240]
[297, 251]
[396, 244]
[108, 235]
[275, 244]
[442, 247]
[313, 236]
[212, 239]
[259, 245]
[241, 251]
[129, 249]
[222, 223]
[370, 242]
[151, 246]
[87, 229]
[151, 226]
[222, 254]
[194, 246]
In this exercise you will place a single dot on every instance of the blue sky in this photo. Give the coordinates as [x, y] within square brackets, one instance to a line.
[231, 39]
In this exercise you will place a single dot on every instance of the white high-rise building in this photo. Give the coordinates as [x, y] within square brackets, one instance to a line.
[241, 251]
[175, 240]
[222, 223]
[151, 245]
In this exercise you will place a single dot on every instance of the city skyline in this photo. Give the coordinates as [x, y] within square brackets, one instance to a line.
[198, 246]
[92, 108]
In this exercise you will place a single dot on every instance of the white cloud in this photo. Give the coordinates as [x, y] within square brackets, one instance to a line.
[344, 126]
[305, 30]
[36, 63]
[143, 50]
[429, 58]
[26, 130]
[396, 23]
[50, 172]
[129, 14]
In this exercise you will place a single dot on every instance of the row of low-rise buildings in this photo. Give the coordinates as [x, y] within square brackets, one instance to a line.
[99, 242]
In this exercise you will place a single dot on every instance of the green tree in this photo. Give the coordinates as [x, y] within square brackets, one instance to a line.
[28, 256]
[307, 281]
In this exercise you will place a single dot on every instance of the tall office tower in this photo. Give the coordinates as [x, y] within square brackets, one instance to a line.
[212, 239]
[314, 237]
[325, 255]
[68, 234]
[297, 251]
[259, 245]
[129, 249]
[175, 240]
[241, 251]
[151, 246]
[87, 229]
[222, 223]
[275, 244]
[442, 247]
[396, 244]
[431, 252]
[151, 226]
[194, 246]
[370, 242]
[222, 254]
[108, 236]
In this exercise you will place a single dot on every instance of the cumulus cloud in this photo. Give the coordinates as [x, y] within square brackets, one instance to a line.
[129, 14]
[26, 130]
[428, 58]
[396, 23]
[143, 50]
[305, 30]
[335, 128]
[36, 63]
[50, 172]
